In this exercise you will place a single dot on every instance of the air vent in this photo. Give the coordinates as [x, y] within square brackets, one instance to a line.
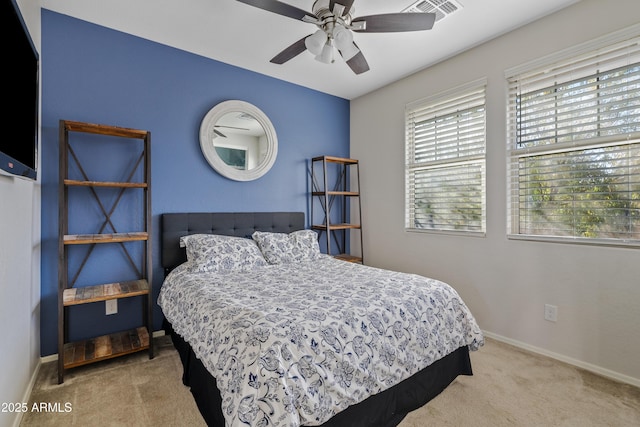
[442, 8]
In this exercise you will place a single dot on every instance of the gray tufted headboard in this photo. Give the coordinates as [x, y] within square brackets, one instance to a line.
[240, 224]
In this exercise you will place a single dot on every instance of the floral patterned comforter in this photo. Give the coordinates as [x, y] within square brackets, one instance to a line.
[294, 344]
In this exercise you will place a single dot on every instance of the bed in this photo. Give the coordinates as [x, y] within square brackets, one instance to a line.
[272, 333]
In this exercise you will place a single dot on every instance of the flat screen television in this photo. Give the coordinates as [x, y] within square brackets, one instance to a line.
[19, 145]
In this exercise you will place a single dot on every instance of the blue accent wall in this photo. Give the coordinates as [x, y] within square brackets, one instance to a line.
[97, 75]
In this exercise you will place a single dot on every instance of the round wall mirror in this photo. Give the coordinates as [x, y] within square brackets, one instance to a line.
[238, 140]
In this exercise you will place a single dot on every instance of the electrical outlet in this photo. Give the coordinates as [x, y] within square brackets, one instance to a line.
[111, 306]
[550, 312]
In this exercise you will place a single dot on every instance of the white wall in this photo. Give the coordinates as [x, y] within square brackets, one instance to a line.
[505, 282]
[19, 271]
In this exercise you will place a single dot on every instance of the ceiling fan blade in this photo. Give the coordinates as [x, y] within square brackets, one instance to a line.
[229, 127]
[393, 22]
[216, 132]
[280, 8]
[290, 52]
[358, 63]
[346, 3]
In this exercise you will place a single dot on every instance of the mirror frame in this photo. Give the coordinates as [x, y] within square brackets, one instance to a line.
[206, 132]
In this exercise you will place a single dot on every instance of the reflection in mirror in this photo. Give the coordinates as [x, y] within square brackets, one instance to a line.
[238, 140]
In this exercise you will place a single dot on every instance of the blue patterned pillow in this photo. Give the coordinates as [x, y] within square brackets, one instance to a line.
[215, 253]
[282, 248]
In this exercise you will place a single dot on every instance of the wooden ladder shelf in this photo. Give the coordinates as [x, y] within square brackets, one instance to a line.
[340, 205]
[70, 293]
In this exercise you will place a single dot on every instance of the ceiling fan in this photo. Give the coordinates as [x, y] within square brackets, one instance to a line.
[335, 26]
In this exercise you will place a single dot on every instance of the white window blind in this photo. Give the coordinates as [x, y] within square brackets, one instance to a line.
[445, 161]
[574, 145]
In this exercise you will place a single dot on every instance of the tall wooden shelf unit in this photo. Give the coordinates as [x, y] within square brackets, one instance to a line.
[340, 205]
[76, 353]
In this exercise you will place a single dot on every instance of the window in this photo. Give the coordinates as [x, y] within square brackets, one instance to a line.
[445, 161]
[574, 145]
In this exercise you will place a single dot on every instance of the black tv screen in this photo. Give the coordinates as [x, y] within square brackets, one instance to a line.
[19, 146]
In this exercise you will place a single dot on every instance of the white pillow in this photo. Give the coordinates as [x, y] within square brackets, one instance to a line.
[282, 248]
[216, 253]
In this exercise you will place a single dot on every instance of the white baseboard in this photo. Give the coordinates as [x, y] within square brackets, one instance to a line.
[27, 394]
[569, 360]
[49, 358]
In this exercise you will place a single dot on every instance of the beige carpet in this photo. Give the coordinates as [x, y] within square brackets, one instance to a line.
[510, 387]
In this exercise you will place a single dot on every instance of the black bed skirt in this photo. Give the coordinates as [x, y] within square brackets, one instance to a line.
[385, 409]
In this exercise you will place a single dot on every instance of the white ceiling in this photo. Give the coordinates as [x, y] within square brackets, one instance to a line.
[248, 37]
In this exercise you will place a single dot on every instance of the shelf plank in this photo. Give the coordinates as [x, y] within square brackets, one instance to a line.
[72, 126]
[332, 159]
[77, 183]
[83, 239]
[105, 347]
[336, 227]
[336, 193]
[349, 258]
[89, 294]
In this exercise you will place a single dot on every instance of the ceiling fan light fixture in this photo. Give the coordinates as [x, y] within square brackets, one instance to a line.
[326, 56]
[315, 42]
[344, 42]
[342, 36]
